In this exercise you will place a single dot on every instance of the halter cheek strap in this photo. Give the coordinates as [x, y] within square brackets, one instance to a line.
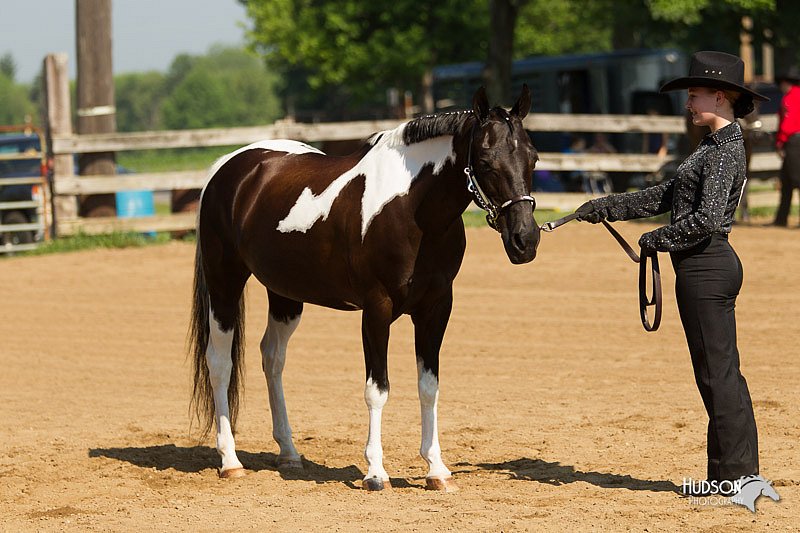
[480, 197]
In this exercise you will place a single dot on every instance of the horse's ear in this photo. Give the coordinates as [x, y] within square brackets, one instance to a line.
[480, 105]
[523, 104]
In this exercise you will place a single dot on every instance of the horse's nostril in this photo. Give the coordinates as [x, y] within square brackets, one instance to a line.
[518, 242]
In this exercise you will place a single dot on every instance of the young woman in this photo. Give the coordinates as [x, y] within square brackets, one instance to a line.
[703, 197]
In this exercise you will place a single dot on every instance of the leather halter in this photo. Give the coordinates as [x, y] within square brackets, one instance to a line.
[644, 302]
[493, 212]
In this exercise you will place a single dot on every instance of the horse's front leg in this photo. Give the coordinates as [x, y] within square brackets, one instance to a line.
[430, 322]
[375, 337]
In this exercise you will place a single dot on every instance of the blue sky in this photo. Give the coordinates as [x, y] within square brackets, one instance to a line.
[147, 34]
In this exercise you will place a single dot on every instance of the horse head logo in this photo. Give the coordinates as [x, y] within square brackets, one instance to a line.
[751, 489]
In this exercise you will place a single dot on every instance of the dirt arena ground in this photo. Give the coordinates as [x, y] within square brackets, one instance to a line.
[557, 411]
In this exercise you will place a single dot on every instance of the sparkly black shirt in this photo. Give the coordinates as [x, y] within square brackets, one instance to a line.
[702, 196]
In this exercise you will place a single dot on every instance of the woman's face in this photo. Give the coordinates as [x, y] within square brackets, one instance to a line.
[703, 105]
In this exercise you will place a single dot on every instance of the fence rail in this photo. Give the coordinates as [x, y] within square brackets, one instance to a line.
[67, 186]
[196, 179]
[342, 131]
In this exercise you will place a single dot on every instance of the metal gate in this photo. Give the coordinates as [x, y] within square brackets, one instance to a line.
[23, 188]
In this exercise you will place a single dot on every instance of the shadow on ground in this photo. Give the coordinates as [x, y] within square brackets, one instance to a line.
[554, 473]
[193, 459]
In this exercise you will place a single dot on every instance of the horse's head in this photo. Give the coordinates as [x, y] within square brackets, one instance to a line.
[502, 158]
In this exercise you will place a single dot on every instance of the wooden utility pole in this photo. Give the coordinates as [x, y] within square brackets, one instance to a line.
[746, 48]
[767, 58]
[497, 75]
[95, 95]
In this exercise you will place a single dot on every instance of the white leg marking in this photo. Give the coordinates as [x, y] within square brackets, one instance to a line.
[220, 365]
[428, 386]
[374, 451]
[273, 358]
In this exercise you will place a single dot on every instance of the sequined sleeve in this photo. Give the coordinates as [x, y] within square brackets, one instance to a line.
[717, 175]
[639, 204]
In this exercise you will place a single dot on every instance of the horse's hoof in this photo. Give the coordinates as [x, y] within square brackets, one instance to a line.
[289, 464]
[445, 485]
[232, 473]
[376, 483]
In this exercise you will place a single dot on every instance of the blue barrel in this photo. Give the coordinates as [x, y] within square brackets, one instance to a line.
[135, 204]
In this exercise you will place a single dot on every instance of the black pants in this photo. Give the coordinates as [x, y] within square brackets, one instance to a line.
[790, 178]
[707, 280]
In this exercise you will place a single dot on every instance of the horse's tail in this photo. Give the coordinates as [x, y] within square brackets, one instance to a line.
[202, 403]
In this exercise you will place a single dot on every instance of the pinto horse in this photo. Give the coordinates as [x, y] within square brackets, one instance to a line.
[379, 231]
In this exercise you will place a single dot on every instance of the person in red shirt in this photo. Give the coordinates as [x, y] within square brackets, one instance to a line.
[787, 141]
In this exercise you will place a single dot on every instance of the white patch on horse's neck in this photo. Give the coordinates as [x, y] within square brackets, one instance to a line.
[389, 168]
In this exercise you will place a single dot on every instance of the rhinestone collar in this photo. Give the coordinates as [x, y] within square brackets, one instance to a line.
[731, 132]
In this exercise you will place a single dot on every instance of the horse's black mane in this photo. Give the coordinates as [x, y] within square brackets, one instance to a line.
[430, 126]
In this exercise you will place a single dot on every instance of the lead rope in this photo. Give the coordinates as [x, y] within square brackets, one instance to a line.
[655, 299]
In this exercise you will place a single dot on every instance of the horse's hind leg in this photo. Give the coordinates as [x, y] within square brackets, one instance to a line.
[282, 320]
[220, 367]
[224, 354]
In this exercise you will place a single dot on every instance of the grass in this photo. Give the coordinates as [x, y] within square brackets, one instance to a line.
[769, 212]
[172, 159]
[83, 241]
[472, 218]
[475, 218]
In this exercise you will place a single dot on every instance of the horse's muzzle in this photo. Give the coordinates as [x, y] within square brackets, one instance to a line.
[520, 232]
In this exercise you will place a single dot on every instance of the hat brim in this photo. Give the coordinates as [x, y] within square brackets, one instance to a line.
[712, 83]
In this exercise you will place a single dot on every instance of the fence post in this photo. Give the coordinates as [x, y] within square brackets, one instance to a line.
[94, 93]
[58, 121]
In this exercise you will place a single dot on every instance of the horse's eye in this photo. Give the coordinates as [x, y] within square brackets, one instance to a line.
[483, 166]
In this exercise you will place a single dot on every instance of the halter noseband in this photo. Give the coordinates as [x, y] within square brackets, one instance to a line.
[483, 201]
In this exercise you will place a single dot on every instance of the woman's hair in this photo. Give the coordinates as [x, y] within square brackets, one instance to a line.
[742, 103]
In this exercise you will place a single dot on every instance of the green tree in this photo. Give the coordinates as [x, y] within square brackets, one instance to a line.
[553, 27]
[199, 101]
[15, 106]
[782, 23]
[367, 47]
[8, 67]
[227, 87]
[139, 97]
[691, 11]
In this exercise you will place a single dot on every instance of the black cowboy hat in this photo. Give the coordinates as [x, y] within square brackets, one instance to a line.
[716, 70]
[792, 76]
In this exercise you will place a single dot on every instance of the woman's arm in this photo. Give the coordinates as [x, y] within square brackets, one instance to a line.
[716, 181]
[639, 204]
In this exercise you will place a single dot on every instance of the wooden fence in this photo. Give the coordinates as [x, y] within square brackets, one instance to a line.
[66, 186]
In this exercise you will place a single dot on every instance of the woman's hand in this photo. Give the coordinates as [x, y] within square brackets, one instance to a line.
[588, 213]
[647, 243]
